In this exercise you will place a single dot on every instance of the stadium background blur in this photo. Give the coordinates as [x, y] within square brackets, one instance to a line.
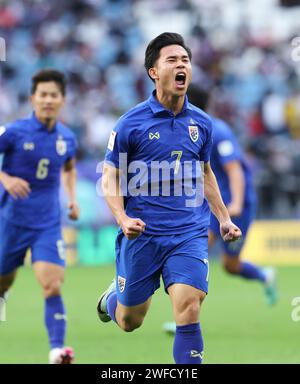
[242, 51]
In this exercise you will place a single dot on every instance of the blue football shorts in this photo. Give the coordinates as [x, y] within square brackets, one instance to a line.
[243, 221]
[140, 263]
[45, 245]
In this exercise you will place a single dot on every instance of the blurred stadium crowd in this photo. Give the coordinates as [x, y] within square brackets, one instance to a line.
[100, 45]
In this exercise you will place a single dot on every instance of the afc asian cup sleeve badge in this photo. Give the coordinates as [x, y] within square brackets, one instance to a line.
[2, 130]
[121, 283]
[61, 146]
[194, 132]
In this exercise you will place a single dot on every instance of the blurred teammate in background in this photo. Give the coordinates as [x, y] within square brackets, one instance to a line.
[36, 150]
[161, 234]
[235, 182]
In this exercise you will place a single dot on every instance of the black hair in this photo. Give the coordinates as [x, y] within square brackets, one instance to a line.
[198, 96]
[161, 41]
[46, 75]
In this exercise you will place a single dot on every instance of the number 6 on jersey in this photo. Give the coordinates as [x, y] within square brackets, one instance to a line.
[42, 169]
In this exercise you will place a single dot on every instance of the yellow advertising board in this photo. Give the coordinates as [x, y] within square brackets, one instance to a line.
[273, 243]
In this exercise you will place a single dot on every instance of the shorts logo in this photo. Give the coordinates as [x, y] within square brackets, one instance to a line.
[194, 133]
[121, 283]
[61, 146]
[61, 249]
[155, 135]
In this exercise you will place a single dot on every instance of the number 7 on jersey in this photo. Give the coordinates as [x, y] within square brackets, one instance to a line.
[177, 161]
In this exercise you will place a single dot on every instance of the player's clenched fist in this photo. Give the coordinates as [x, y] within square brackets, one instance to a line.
[229, 231]
[74, 211]
[132, 227]
[15, 186]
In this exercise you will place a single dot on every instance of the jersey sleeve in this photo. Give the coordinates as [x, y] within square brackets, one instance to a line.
[118, 147]
[6, 138]
[207, 146]
[73, 146]
[227, 147]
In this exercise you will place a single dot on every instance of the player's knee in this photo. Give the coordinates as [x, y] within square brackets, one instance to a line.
[189, 310]
[130, 323]
[193, 309]
[231, 266]
[52, 288]
[5, 284]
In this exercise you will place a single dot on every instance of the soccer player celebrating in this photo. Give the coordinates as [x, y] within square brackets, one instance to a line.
[36, 149]
[162, 234]
[235, 181]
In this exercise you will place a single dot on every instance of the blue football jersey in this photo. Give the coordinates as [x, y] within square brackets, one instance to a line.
[225, 149]
[151, 138]
[36, 155]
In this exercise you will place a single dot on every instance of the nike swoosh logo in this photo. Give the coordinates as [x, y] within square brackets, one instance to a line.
[195, 353]
[60, 316]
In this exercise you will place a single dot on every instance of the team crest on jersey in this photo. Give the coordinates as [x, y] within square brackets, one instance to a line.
[121, 283]
[194, 133]
[61, 146]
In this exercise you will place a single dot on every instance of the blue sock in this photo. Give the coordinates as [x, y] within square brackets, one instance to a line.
[55, 320]
[111, 305]
[251, 271]
[188, 344]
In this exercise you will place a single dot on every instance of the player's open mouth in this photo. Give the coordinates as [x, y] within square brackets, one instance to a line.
[180, 79]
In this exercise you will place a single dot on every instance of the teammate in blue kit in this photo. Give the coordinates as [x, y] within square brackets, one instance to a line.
[235, 182]
[152, 181]
[236, 185]
[36, 150]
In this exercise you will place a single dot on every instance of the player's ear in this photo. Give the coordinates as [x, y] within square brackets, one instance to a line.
[153, 73]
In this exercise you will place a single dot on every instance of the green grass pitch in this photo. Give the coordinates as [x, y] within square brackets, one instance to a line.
[238, 326]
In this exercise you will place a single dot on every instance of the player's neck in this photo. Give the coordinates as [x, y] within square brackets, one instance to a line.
[170, 102]
[48, 122]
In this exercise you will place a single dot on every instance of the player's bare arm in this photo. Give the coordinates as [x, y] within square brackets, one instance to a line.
[15, 186]
[69, 177]
[131, 227]
[229, 231]
[236, 179]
